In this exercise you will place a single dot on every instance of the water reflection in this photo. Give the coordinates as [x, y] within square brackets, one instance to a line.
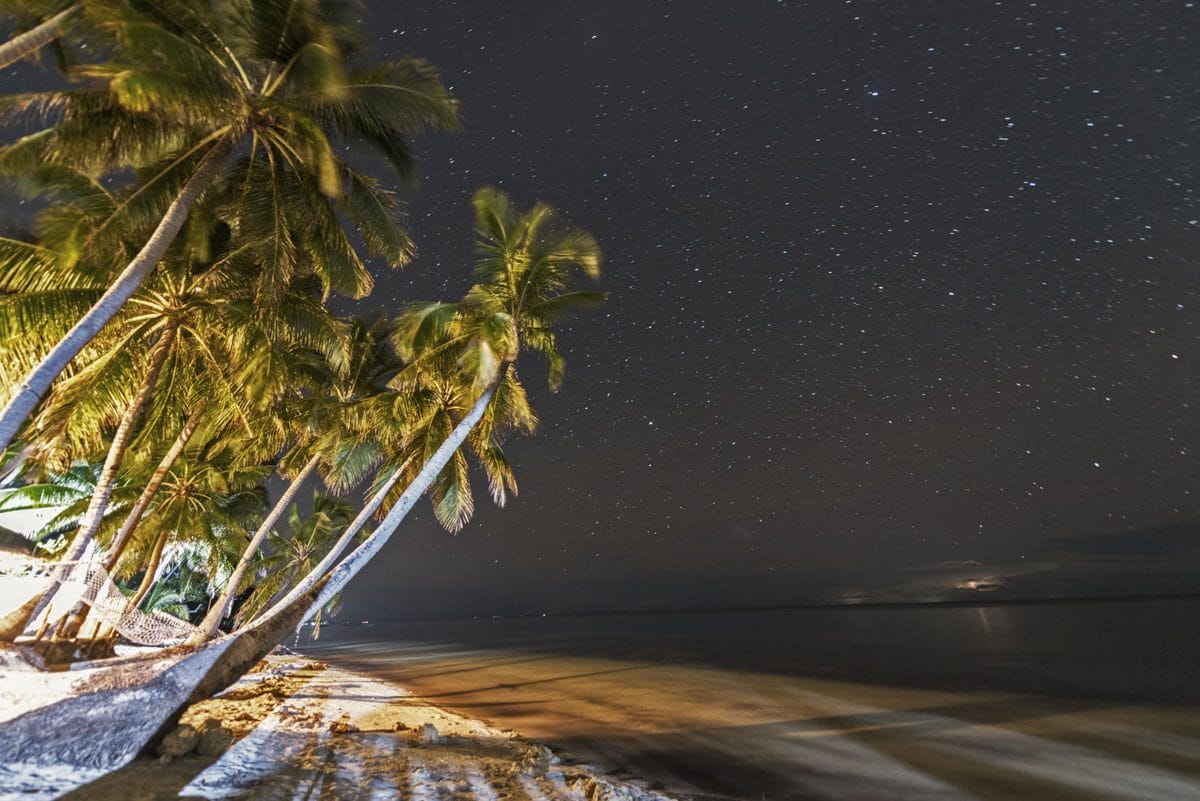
[990, 702]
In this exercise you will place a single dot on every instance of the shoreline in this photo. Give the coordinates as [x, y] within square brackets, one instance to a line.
[703, 730]
[305, 728]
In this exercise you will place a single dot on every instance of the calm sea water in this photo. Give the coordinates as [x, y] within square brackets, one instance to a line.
[1145, 651]
[1016, 702]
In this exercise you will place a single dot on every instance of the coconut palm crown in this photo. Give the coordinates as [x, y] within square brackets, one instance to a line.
[528, 269]
[528, 272]
[188, 87]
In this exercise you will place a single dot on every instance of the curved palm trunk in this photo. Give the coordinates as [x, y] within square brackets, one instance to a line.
[349, 567]
[151, 569]
[121, 539]
[205, 671]
[123, 536]
[39, 379]
[69, 732]
[220, 607]
[330, 559]
[35, 38]
[14, 623]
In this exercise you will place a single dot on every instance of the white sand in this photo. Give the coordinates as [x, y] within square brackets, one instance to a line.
[306, 730]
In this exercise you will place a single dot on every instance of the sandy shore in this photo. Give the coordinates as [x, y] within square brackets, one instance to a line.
[720, 733]
[303, 729]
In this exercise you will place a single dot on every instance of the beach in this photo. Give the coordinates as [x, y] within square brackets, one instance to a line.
[1034, 702]
[695, 707]
[715, 733]
[303, 729]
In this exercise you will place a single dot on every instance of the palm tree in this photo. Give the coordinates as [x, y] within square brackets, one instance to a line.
[527, 269]
[213, 382]
[203, 507]
[49, 19]
[220, 606]
[296, 554]
[348, 453]
[189, 86]
[65, 496]
[447, 398]
[120, 540]
[208, 505]
[201, 319]
[98, 502]
[431, 407]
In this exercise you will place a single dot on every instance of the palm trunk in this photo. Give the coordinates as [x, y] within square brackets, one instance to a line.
[243, 649]
[330, 559]
[116, 709]
[35, 38]
[13, 469]
[220, 607]
[349, 567]
[104, 484]
[122, 537]
[39, 379]
[151, 570]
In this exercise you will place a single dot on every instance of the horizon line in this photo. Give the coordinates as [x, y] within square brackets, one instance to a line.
[1063, 599]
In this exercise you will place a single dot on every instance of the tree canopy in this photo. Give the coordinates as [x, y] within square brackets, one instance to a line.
[168, 351]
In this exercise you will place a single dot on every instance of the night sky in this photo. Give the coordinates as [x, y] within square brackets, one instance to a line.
[903, 300]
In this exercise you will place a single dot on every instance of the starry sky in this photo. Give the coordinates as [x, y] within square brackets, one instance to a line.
[903, 300]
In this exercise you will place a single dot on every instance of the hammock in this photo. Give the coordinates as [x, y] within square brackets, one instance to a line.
[89, 583]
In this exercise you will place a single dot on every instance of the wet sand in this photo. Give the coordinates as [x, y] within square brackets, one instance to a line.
[722, 733]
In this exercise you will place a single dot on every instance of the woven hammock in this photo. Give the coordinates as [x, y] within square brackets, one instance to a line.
[89, 583]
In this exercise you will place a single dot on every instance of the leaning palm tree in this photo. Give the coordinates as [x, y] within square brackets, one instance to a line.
[207, 505]
[194, 324]
[190, 85]
[431, 403]
[41, 21]
[295, 554]
[528, 268]
[325, 437]
[224, 599]
[233, 357]
[204, 505]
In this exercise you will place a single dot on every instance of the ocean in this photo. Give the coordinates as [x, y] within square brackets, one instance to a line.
[1055, 700]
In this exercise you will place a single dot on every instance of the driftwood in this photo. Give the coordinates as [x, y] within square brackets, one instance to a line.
[97, 716]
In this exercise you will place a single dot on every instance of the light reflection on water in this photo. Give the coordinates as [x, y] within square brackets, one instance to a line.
[1020, 702]
[1131, 650]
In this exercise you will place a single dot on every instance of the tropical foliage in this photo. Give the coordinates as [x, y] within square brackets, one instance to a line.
[248, 99]
[169, 355]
